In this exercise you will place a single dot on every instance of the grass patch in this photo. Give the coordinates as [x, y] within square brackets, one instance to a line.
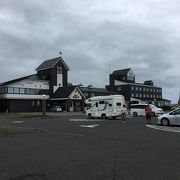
[5, 132]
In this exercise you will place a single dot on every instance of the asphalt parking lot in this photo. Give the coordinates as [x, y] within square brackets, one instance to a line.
[70, 147]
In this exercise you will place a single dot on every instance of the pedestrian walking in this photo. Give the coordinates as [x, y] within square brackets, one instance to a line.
[148, 112]
[124, 113]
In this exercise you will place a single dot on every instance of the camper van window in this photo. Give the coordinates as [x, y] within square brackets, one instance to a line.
[118, 104]
[96, 104]
[139, 106]
[102, 102]
[88, 106]
[110, 104]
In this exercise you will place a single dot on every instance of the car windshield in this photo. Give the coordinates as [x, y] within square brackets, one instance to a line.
[153, 106]
[177, 111]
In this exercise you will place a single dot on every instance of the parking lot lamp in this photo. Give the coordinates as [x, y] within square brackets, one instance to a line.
[155, 101]
[44, 105]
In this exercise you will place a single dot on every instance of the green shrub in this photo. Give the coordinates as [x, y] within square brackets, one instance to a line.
[166, 107]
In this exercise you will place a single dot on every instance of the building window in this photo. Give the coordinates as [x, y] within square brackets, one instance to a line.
[92, 94]
[132, 88]
[119, 88]
[132, 95]
[38, 103]
[2, 90]
[22, 91]
[137, 88]
[59, 70]
[140, 89]
[16, 90]
[124, 78]
[10, 90]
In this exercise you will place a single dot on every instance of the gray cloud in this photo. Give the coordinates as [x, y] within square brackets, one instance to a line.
[96, 37]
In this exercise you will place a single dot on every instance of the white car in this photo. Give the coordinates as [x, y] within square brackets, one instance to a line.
[171, 118]
[139, 110]
[55, 109]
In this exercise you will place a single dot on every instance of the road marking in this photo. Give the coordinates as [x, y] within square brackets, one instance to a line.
[87, 120]
[17, 122]
[90, 126]
[164, 128]
[74, 134]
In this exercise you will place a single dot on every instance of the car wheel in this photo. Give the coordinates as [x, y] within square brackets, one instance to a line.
[103, 116]
[135, 114]
[89, 116]
[165, 122]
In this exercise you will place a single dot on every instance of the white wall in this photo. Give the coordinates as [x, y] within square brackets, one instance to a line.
[34, 84]
[75, 95]
[59, 82]
[22, 96]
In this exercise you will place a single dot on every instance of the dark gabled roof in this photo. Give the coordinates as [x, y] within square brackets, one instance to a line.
[50, 63]
[65, 92]
[121, 71]
[18, 79]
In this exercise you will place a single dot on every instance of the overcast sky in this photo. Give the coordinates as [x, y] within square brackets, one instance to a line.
[96, 37]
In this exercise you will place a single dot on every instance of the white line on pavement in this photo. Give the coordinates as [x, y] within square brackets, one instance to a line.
[90, 126]
[87, 120]
[164, 128]
[74, 134]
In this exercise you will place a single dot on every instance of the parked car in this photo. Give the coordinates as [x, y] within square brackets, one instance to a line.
[171, 118]
[55, 109]
[139, 110]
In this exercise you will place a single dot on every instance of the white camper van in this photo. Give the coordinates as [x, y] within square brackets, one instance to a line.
[104, 106]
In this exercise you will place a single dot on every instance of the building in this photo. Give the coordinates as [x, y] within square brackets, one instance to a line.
[51, 81]
[25, 94]
[123, 82]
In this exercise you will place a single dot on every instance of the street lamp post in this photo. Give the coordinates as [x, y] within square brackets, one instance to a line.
[155, 101]
[44, 105]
